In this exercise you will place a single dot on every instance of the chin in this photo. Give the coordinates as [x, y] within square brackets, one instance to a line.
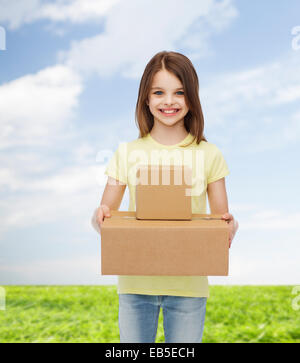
[170, 123]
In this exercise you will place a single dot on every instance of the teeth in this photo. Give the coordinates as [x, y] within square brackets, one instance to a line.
[172, 111]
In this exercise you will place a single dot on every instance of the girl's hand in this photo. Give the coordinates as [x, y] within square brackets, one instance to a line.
[102, 212]
[99, 215]
[233, 226]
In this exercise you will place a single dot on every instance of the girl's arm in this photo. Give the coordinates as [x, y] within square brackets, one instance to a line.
[218, 203]
[111, 199]
[113, 193]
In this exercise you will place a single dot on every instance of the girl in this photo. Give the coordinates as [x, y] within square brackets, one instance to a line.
[170, 122]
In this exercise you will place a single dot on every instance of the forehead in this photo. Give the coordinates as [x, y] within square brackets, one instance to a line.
[164, 79]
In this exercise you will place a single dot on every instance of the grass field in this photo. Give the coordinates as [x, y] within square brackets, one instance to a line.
[90, 314]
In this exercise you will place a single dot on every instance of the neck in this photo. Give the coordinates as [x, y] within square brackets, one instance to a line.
[167, 135]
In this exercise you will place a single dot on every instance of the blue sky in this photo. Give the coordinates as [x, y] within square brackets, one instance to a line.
[69, 80]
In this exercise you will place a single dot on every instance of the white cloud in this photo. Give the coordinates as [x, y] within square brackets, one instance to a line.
[243, 207]
[73, 192]
[267, 214]
[15, 13]
[270, 220]
[288, 94]
[35, 108]
[291, 130]
[34, 199]
[252, 105]
[24, 163]
[76, 11]
[257, 217]
[70, 181]
[262, 269]
[133, 47]
[61, 271]
[37, 207]
[84, 152]
[263, 87]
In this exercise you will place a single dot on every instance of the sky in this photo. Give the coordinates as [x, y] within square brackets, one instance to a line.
[69, 78]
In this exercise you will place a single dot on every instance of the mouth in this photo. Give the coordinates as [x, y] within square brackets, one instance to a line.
[169, 111]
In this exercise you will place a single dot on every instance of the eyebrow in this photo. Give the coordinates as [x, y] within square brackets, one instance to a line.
[162, 88]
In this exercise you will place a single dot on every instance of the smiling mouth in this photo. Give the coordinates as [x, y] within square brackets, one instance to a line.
[169, 112]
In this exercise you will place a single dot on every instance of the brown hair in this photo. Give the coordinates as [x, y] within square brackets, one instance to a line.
[183, 69]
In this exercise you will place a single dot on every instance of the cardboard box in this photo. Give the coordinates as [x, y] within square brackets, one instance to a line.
[167, 248]
[164, 192]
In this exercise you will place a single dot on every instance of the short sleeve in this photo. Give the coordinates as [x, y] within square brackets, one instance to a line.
[117, 165]
[218, 168]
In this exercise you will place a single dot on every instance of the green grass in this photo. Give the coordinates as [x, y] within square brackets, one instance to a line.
[90, 314]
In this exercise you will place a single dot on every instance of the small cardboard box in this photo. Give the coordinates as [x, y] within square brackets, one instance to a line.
[163, 192]
[198, 247]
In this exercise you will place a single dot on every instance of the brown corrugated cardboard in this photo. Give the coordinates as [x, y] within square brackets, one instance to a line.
[163, 192]
[198, 247]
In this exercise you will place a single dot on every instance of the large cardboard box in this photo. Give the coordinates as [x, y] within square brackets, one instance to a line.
[164, 247]
[164, 192]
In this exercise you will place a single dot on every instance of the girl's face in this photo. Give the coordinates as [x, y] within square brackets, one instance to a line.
[166, 92]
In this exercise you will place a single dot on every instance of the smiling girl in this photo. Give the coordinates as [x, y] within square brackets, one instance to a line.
[170, 121]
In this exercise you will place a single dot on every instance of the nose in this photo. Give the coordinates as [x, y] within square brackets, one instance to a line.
[168, 100]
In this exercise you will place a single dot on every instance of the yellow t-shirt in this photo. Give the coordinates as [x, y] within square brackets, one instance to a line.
[207, 164]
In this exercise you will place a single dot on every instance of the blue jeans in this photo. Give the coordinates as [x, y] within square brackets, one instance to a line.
[183, 318]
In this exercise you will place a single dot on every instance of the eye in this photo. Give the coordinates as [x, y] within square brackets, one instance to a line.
[176, 92]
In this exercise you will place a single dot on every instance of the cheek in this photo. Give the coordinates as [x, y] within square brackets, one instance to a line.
[152, 109]
[153, 105]
[184, 104]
